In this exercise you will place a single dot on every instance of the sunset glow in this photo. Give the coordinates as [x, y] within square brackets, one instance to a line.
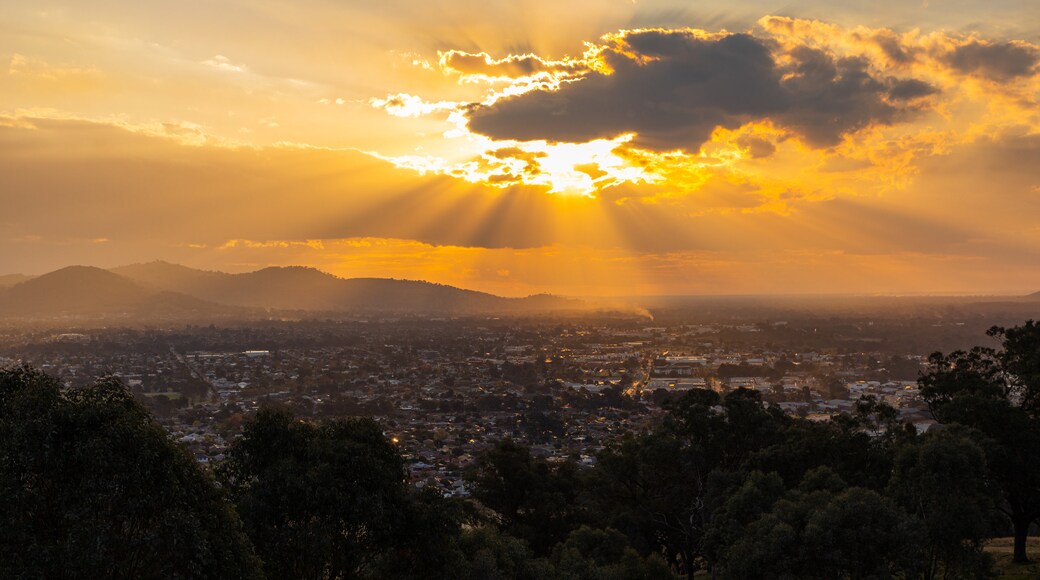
[589, 148]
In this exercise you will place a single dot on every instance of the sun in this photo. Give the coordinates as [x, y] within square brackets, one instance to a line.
[571, 169]
[582, 169]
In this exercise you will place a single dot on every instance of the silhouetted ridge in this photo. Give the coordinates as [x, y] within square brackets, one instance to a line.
[164, 274]
[8, 280]
[310, 289]
[74, 289]
[164, 290]
[89, 291]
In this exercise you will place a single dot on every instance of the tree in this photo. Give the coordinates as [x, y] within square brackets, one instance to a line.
[542, 427]
[318, 501]
[821, 529]
[533, 500]
[843, 444]
[1020, 360]
[493, 555]
[834, 388]
[860, 534]
[655, 487]
[651, 489]
[598, 554]
[426, 541]
[997, 392]
[942, 479]
[93, 487]
[738, 504]
[879, 418]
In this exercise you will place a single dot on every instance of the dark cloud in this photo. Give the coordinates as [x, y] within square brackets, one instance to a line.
[673, 102]
[530, 159]
[894, 49]
[517, 153]
[757, 146]
[673, 88]
[999, 61]
[503, 178]
[832, 97]
[910, 89]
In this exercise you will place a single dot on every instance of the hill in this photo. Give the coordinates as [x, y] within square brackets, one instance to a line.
[309, 289]
[72, 289]
[165, 275]
[9, 280]
[79, 291]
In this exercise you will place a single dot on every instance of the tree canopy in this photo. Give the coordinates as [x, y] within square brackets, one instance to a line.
[997, 393]
[94, 488]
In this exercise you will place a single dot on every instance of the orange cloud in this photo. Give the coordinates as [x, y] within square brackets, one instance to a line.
[794, 110]
[936, 207]
[673, 88]
[482, 67]
[30, 74]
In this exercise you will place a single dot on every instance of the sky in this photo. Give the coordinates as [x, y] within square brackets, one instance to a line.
[588, 147]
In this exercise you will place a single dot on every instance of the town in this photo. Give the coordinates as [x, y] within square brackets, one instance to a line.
[446, 389]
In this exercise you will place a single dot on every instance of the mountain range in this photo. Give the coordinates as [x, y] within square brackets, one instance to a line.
[161, 289]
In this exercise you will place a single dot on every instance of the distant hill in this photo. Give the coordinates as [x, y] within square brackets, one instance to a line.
[301, 288]
[167, 276]
[9, 280]
[79, 291]
[164, 291]
[74, 289]
[291, 288]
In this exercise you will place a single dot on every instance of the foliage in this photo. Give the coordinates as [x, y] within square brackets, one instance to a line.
[819, 530]
[942, 479]
[649, 488]
[996, 392]
[586, 554]
[94, 488]
[534, 501]
[328, 500]
[595, 554]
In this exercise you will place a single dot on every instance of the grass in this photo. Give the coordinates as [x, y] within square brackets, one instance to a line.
[1002, 549]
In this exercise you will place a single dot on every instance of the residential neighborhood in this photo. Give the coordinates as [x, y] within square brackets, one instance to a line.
[447, 389]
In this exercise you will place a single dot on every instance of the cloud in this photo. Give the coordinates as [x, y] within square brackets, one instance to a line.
[405, 105]
[140, 186]
[892, 45]
[513, 66]
[69, 183]
[790, 111]
[998, 61]
[831, 97]
[756, 146]
[673, 88]
[221, 62]
[910, 89]
[268, 244]
[25, 69]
